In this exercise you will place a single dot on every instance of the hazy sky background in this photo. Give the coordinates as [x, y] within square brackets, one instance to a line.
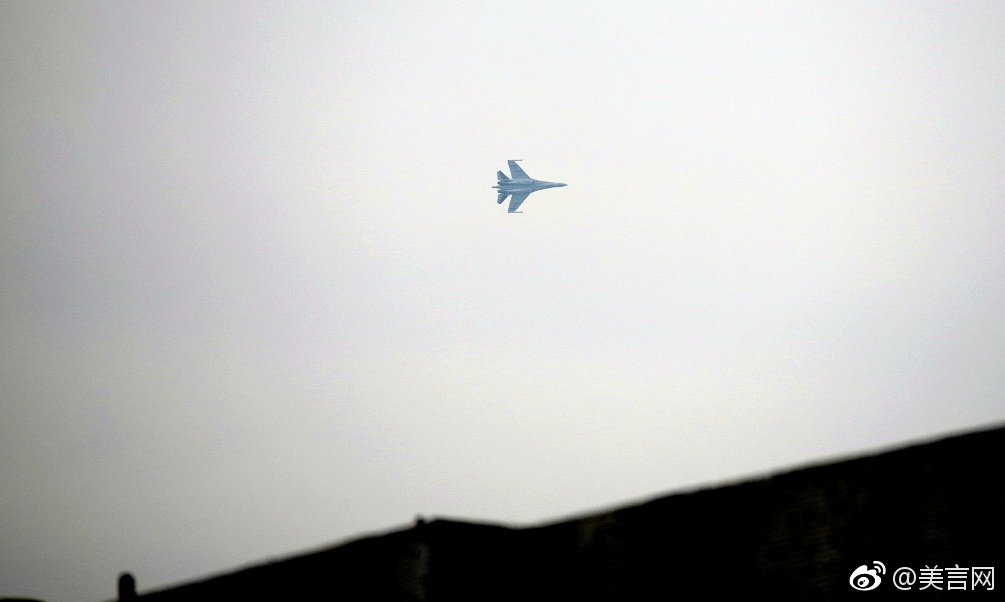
[257, 296]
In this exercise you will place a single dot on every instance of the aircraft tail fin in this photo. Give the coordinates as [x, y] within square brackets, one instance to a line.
[502, 197]
[501, 176]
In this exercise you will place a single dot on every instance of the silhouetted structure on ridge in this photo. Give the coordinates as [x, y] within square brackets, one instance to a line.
[127, 587]
[793, 536]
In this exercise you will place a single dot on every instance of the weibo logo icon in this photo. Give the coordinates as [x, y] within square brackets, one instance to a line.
[865, 579]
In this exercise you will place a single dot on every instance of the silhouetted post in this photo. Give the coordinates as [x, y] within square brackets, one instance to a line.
[127, 587]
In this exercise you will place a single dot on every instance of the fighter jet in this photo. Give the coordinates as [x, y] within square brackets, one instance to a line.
[520, 186]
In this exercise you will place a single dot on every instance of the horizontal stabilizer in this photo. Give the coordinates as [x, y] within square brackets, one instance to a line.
[501, 176]
[502, 197]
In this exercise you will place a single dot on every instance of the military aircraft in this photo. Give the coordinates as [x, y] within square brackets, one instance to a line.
[520, 186]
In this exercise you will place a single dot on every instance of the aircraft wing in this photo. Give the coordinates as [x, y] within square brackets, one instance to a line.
[517, 172]
[516, 200]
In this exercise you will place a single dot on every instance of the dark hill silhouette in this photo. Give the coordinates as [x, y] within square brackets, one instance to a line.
[793, 536]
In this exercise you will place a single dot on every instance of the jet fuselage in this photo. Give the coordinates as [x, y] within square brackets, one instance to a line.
[512, 186]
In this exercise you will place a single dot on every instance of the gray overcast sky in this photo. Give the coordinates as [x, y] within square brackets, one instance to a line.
[258, 296]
